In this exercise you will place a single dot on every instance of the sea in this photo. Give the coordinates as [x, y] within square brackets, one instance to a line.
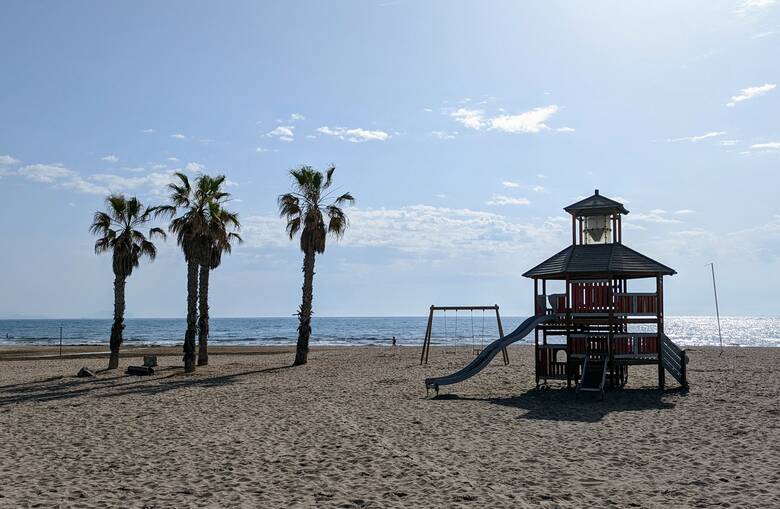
[463, 330]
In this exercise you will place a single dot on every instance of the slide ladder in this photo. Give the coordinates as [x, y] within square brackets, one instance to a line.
[674, 360]
[594, 374]
[486, 355]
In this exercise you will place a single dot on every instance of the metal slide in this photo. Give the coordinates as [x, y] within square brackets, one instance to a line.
[485, 356]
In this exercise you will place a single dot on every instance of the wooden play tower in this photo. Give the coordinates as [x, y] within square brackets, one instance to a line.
[593, 335]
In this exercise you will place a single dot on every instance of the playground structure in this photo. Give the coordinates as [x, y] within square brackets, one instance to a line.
[588, 333]
[474, 350]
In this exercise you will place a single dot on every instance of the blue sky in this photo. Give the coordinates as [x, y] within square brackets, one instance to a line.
[462, 128]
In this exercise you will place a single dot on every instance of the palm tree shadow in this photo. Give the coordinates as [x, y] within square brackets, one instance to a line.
[565, 405]
[49, 390]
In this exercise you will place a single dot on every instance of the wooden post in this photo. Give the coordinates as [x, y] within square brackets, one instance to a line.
[659, 291]
[573, 229]
[427, 340]
[536, 297]
[501, 335]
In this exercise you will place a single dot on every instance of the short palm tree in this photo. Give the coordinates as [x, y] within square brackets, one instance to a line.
[191, 228]
[306, 209]
[119, 233]
[222, 233]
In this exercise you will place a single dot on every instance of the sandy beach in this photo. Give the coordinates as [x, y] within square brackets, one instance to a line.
[354, 428]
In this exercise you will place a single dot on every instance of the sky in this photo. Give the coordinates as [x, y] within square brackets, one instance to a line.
[461, 128]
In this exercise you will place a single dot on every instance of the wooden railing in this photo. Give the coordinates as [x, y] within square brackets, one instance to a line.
[636, 303]
[635, 346]
[548, 365]
[591, 297]
[581, 345]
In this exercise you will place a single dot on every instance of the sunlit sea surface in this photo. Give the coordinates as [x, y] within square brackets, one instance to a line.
[684, 330]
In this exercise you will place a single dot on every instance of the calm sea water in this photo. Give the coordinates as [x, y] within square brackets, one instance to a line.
[684, 330]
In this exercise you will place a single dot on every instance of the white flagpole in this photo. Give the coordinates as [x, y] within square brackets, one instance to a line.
[717, 311]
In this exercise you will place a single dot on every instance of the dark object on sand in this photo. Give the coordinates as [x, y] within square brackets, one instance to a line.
[150, 361]
[140, 370]
[84, 373]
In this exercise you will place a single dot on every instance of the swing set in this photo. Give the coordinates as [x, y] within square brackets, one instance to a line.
[452, 339]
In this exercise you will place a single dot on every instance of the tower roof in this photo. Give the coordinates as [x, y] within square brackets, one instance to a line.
[595, 205]
[598, 260]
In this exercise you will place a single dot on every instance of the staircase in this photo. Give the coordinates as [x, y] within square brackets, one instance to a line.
[674, 360]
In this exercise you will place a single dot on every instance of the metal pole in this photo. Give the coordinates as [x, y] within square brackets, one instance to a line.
[717, 311]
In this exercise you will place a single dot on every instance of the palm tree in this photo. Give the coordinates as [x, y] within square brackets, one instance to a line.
[192, 234]
[222, 232]
[305, 209]
[118, 230]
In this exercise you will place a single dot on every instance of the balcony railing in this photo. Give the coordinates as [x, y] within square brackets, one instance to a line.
[636, 303]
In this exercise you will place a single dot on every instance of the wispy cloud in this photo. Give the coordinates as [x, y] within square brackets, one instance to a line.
[110, 158]
[509, 183]
[532, 121]
[261, 150]
[751, 92]
[763, 34]
[356, 135]
[147, 131]
[683, 211]
[473, 119]
[47, 173]
[694, 139]
[282, 132]
[774, 145]
[752, 6]
[6, 160]
[444, 135]
[501, 200]
[729, 143]
[294, 117]
[566, 130]
[179, 136]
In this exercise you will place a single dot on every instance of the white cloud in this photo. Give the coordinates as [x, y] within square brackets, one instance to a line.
[694, 139]
[528, 122]
[775, 145]
[729, 143]
[654, 216]
[83, 186]
[538, 189]
[356, 135]
[173, 159]
[283, 132]
[6, 160]
[423, 229]
[501, 200]
[444, 135]
[751, 92]
[179, 136]
[541, 176]
[148, 131]
[566, 129]
[509, 183]
[294, 117]
[428, 110]
[261, 150]
[473, 119]
[658, 211]
[440, 196]
[762, 35]
[48, 173]
[683, 211]
[111, 158]
[750, 6]
[194, 167]
[154, 167]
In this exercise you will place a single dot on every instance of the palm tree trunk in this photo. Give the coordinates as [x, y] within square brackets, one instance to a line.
[192, 317]
[304, 314]
[203, 319]
[119, 319]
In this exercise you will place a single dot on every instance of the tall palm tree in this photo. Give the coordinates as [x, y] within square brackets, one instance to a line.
[191, 228]
[119, 232]
[305, 209]
[222, 232]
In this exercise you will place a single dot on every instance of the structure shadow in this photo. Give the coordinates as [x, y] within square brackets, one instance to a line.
[566, 405]
[49, 390]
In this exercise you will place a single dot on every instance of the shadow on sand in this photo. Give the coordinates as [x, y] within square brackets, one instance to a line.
[58, 388]
[565, 405]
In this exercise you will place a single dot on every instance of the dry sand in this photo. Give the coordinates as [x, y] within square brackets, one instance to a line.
[353, 428]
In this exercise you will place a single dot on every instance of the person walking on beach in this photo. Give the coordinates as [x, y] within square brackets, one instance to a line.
[393, 340]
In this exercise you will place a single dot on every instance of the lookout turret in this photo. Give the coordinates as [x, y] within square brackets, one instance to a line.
[596, 220]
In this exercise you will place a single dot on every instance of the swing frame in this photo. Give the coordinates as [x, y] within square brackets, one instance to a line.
[426, 349]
